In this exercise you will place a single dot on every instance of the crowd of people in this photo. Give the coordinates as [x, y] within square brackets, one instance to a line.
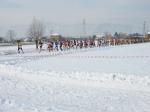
[72, 44]
[63, 45]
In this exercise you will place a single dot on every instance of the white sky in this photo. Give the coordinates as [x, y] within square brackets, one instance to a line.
[14, 13]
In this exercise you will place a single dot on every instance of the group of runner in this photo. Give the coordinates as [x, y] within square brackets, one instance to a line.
[72, 44]
[62, 45]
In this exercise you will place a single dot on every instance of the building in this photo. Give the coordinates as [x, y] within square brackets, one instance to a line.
[55, 36]
[147, 37]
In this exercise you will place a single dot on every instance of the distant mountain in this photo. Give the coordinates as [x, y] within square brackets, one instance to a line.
[73, 29]
[77, 29]
[117, 28]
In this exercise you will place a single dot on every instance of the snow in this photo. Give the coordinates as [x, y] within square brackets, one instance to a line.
[106, 79]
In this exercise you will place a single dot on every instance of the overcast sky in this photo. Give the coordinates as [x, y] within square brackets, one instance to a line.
[21, 12]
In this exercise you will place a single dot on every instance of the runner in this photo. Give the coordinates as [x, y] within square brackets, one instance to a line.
[50, 46]
[41, 45]
[19, 46]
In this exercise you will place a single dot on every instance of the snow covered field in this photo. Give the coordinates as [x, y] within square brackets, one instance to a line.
[107, 79]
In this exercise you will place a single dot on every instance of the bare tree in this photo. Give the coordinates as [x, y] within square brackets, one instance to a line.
[11, 35]
[36, 30]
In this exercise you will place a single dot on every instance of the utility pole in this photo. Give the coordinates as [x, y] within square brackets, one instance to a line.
[84, 27]
[144, 31]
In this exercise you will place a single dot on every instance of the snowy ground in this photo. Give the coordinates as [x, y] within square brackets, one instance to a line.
[107, 79]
